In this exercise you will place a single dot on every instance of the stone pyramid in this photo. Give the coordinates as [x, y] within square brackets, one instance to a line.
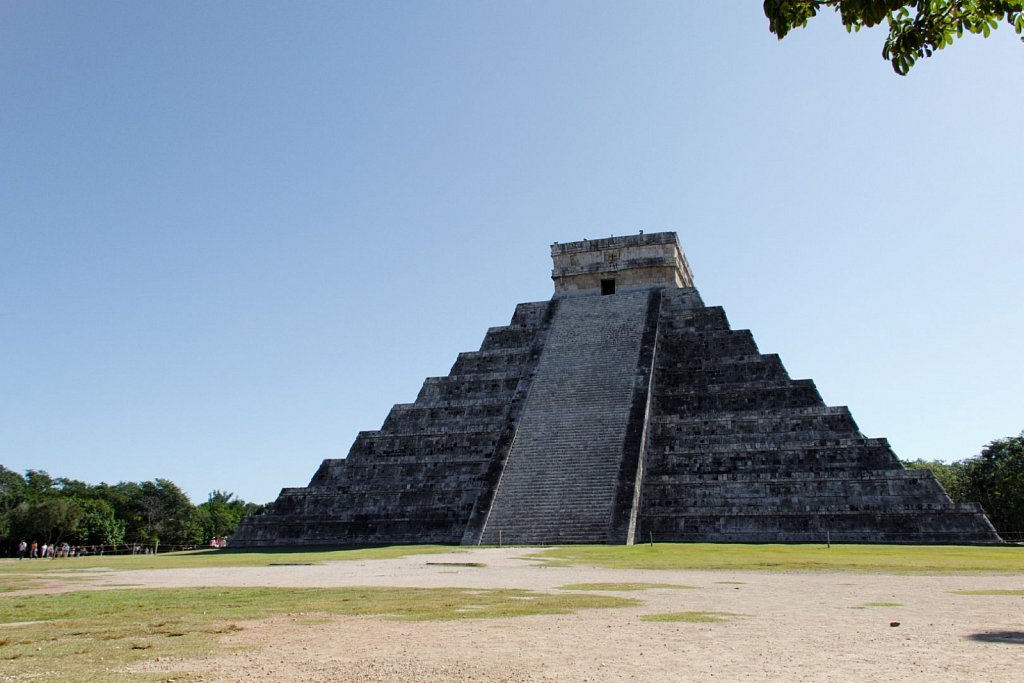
[622, 409]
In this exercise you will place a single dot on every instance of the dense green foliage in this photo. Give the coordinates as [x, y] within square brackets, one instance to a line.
[994, 478]
[38, 507]
[917, 28]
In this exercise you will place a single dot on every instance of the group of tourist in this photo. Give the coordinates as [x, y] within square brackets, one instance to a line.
[34, 550]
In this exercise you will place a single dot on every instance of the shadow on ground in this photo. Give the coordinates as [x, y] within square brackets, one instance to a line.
[1013, 637]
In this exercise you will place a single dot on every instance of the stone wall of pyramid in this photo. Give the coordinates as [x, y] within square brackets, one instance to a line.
[737, 451]
[417, 478]
[632, 415]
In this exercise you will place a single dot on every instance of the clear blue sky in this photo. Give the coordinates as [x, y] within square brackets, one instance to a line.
[234, 234]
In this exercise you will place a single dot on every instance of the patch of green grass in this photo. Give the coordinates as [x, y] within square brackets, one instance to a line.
[990, 591]
[626, 586]
[887, 559]
[17, 582]
[27, 574]
[24, 581]
[213, 558]
[692, 617]
[215, 604]
[97, 635]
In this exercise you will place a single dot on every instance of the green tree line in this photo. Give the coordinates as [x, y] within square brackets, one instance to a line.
[38, 507]
[994, 478]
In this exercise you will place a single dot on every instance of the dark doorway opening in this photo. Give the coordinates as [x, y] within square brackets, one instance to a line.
[607, 287]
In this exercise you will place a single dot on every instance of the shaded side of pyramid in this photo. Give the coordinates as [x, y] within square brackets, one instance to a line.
[417, 479]
[739, 452]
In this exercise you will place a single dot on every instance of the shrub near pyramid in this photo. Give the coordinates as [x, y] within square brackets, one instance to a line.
[621, 409]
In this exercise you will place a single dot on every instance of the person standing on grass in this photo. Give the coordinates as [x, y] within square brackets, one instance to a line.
[22, 547]
[33, 550]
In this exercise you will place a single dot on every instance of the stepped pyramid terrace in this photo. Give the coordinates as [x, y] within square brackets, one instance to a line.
[621, 409]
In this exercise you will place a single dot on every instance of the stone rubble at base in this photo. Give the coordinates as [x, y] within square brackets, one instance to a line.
[622, 409]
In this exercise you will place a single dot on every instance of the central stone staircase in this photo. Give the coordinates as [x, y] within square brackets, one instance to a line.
[561, 479]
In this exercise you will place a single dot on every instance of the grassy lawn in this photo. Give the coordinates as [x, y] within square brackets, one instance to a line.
[889, 559]
[22, 574]
[99, 635]
[96, 635]
[217, 558]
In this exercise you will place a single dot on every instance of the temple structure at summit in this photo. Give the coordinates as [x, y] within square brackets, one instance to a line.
[621, 409]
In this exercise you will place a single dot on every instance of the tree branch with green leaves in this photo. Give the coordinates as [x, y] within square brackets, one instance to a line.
[916, 29]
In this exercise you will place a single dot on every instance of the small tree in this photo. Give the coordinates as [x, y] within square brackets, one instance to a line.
[167, 514]
[99, 525]
[222, 512]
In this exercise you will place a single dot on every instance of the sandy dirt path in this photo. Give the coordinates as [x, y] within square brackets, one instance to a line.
[795, 627]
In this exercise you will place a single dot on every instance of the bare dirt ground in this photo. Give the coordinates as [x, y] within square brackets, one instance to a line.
[795, 627]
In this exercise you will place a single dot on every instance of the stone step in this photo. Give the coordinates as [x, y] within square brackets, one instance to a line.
[899, 474]
[729, 372]
[739, 443]
[459, 387]
[717, 399]
[682, 347]
[756, 415]
[489, 362]
[770, 461]
[508, 338]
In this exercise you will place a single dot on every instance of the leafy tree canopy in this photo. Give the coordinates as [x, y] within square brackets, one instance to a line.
[995, 479]
[916, 28]
[37, 506]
